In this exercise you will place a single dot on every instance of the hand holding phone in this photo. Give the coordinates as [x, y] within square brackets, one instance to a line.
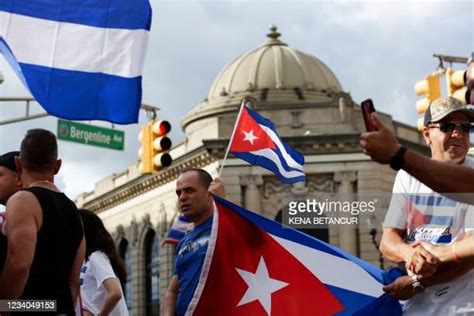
[368, 108]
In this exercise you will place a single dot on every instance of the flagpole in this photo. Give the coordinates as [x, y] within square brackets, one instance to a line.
[244, 100]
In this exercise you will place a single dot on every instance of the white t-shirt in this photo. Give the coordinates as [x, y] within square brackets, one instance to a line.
[431, 217]
[93, 274]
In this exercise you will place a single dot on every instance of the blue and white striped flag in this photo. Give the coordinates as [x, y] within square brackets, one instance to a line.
[80, 59]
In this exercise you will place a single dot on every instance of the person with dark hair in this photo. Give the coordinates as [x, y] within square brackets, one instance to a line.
[9, 185]
[102, 272]
[45, 238]
[9, 180]
[194, 189]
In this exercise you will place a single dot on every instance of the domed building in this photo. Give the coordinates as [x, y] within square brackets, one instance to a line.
[312, 113]
[285, 82]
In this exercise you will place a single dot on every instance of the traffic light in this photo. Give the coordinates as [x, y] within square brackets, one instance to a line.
[146, 151]
[456, 85]
[430, 88]
[154, 146]
[161, 144]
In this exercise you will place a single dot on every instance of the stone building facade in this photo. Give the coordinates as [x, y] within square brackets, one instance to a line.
[312, 113]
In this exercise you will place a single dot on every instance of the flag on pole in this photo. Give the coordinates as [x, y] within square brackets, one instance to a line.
[178, 229]
[269, 270]
[81, 60]
[256, 141]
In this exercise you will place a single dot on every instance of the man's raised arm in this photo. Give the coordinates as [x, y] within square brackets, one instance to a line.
[450, 180]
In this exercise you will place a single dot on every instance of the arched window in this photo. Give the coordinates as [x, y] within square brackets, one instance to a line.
[125, 253]
[152, 275]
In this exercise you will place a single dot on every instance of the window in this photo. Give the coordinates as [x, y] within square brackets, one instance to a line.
[152, 275]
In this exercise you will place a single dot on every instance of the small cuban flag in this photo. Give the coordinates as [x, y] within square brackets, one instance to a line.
[256, 141]
[177, 231]
[80, 59]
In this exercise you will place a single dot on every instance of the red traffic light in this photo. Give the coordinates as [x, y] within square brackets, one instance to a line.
[161, 128]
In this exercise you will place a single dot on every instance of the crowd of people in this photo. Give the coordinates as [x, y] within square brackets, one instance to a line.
[437, 254]
[51, 250]
[48, 249]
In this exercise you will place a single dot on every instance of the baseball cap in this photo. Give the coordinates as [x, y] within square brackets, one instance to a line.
[8, 160]
[444, 106]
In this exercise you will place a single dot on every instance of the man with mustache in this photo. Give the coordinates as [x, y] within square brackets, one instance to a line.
[418, 214]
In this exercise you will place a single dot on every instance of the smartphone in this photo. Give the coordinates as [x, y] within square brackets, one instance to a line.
[368, 108]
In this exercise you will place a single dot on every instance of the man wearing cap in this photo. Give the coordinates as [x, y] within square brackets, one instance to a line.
[9, 185]
[384, 148]
[418, 214]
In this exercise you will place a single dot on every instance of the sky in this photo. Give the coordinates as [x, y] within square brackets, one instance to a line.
[376, 49]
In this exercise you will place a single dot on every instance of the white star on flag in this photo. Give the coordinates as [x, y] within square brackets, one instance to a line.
[249, 136]
[260, 286]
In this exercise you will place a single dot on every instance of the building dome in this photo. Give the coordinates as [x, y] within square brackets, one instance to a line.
[274, 73]
[274, 65]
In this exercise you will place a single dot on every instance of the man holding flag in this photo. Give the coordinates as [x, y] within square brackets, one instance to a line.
[193, 188]
[265, 269]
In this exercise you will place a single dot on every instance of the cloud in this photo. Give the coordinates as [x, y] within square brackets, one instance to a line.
[377, 49]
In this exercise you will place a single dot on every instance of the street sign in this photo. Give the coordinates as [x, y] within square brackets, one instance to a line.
[91, 135]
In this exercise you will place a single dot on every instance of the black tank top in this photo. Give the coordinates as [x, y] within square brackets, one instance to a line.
[58, 240]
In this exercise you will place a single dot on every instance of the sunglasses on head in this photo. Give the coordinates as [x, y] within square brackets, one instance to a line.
[448, 127]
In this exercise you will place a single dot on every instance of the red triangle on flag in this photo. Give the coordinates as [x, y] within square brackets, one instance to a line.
[249, 136]
[240, 246]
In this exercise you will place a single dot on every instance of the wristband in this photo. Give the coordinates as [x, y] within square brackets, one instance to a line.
[396, 162]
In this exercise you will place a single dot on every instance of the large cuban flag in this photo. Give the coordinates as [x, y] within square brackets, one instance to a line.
[256, 141]
[80, 59]
[253, 266]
